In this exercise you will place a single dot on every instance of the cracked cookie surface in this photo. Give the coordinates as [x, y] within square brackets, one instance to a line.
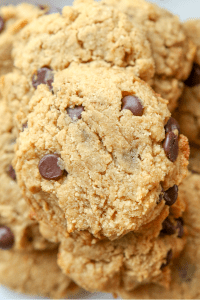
[172, 50]
[88, 31]
[108, 161]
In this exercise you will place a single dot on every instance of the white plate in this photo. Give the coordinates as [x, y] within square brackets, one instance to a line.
[184, 9]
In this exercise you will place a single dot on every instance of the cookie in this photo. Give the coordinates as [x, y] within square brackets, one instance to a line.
[127, 262]
[98, 152]
[185, 269]
[188, 112]
[12, 20]
[34, 273]
[172, 51]
[86, 32]
[14, 212]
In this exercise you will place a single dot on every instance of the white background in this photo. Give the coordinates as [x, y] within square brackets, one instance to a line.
[184, 9]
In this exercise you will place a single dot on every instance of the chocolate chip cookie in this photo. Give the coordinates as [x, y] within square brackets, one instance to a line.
[126, 263]
[86, 32]
[188, 112]
[185, 269]
[172, 50]
[100, 152]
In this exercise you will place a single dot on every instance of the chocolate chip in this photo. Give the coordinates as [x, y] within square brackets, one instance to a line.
[171, 195]
[43, 76]
[11, 172]
[25, 125]
[194, 78]
[50, 9]
[186, 270]
[170, 146]
[179, 227]
[1, 24]
[168, 259]
[167, 227]
[134, 104]
[6, 238]
[49, 168]
[172, 125]
[75, 113]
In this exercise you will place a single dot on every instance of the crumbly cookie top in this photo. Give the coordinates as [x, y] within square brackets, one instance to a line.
[172, 50]
[85, 32]
[102, 131]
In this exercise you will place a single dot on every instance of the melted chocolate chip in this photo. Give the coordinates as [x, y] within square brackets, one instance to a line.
[134, 104]
[11, 172]
[25, 125]
[171, 195]
[194, 78]
[172, 125]
[6, 238]
[49, 168]
[168, 259]
[75, 113]
[1, 24]
[179, 227]
[43, 76]
[170, 146]
[167, 227]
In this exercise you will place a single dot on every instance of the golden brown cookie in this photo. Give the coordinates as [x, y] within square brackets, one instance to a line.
[188, 112]
[34, 273]
[86, 32]
[186, 269]
[172, 51]
[98, 152]
[126, 263]
[12, 20]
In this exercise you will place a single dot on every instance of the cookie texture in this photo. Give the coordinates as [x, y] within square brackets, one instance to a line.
[14, 211]
[88, 31]
[172, 50]
[127, 262]
[13, 19]
[188, 112]
[39, 274]
[185, 269]
[109, 163]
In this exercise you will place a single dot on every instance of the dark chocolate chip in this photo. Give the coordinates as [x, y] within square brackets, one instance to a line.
[170, 146]
[75, 113]
[167, 227]
[186, 271]
[1, 24]
[168, 259]
[134, 104]
[160, 198]
[43, 76]
[171, 195]
[6, 238]
[194, 78]
[179, 227]
[11, 172]
[49, 168]
[172, 125]
[25, 125]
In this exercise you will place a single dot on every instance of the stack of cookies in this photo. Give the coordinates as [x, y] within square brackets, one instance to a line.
[94, 187]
